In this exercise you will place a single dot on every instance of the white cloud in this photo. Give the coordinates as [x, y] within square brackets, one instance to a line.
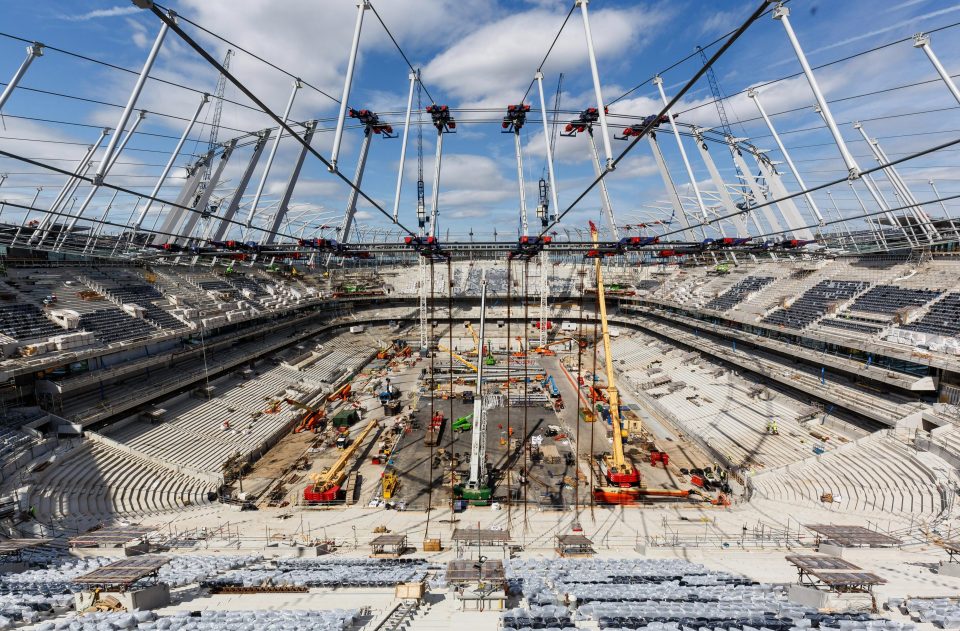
[499, 58]
[111, 12]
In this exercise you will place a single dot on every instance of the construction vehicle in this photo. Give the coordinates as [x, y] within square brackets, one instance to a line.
[587, 416]
[476, 338]
[477, 490]
[390, 399]
[325, 487]
[342, 394]
[463, 424]
[552, 385]
[622, 480]
[489, 361]
[466, 362]
[390, 483]
[433, 432]
[314, 419]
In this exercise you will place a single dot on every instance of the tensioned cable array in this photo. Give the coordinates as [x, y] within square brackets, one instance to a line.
[649, 126]
[226, 73]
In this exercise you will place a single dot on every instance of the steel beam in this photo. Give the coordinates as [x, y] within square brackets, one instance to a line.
[34, 50]
[204, 201]
[273, 154]
[922, 41]
[597, 91]
[546, 140]
[362, 6]
[237, 197]
[414, 76]
[783, 150]
[658, 81]
[292, 183]
[184, 199]
[678, 210]
[204, 98]
[106, 164]
[782, 14]
[729, 207]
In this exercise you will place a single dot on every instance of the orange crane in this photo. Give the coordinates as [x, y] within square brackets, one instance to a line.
[621, 477]
[326, 486]
[342, 394]
[312, 419]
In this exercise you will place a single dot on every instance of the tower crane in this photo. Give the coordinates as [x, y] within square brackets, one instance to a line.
[622, 478]
[477, 489]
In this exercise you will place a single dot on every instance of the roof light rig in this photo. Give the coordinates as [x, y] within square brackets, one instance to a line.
[513, 122]
[584, 123]
[444, 124]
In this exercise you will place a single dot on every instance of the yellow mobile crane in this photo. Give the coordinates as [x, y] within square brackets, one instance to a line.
[621, 480]
[326, 486]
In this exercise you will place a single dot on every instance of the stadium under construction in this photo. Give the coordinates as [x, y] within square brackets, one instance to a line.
[225, 406]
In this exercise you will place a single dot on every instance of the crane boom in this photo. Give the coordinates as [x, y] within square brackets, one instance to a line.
[478, 446]
[476, 338]
[466, 362]
[325, 486]
[619, 461]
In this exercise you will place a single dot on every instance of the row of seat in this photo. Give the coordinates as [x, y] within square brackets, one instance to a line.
[943, 318]
[886, 299]
[878, 477]
[98, 484]
[814, 302]
[26, 322]
[111, 325]
[738, 293]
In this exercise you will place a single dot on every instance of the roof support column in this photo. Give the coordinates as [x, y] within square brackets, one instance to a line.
[234, 204]
[362, 6]
[106, 163]
[414, 77]
[783, 150]
[273, 154]
[922, 41]
[34, 50]
[204, 201]
[292, 183]
[546, 141]
[173, 157]
[601, 110]
[678, 210]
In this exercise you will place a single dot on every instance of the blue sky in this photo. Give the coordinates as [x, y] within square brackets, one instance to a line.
[477, 55]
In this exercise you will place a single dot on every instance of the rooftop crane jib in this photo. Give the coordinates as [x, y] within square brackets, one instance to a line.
[512, 124]
[618, 471]
[584, 123]
[444, 123]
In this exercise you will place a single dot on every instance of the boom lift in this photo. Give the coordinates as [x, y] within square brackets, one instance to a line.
[473, 334]
[326, 486]
[477, 489]
[621, 477]
[313, 419]
[466, 362]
